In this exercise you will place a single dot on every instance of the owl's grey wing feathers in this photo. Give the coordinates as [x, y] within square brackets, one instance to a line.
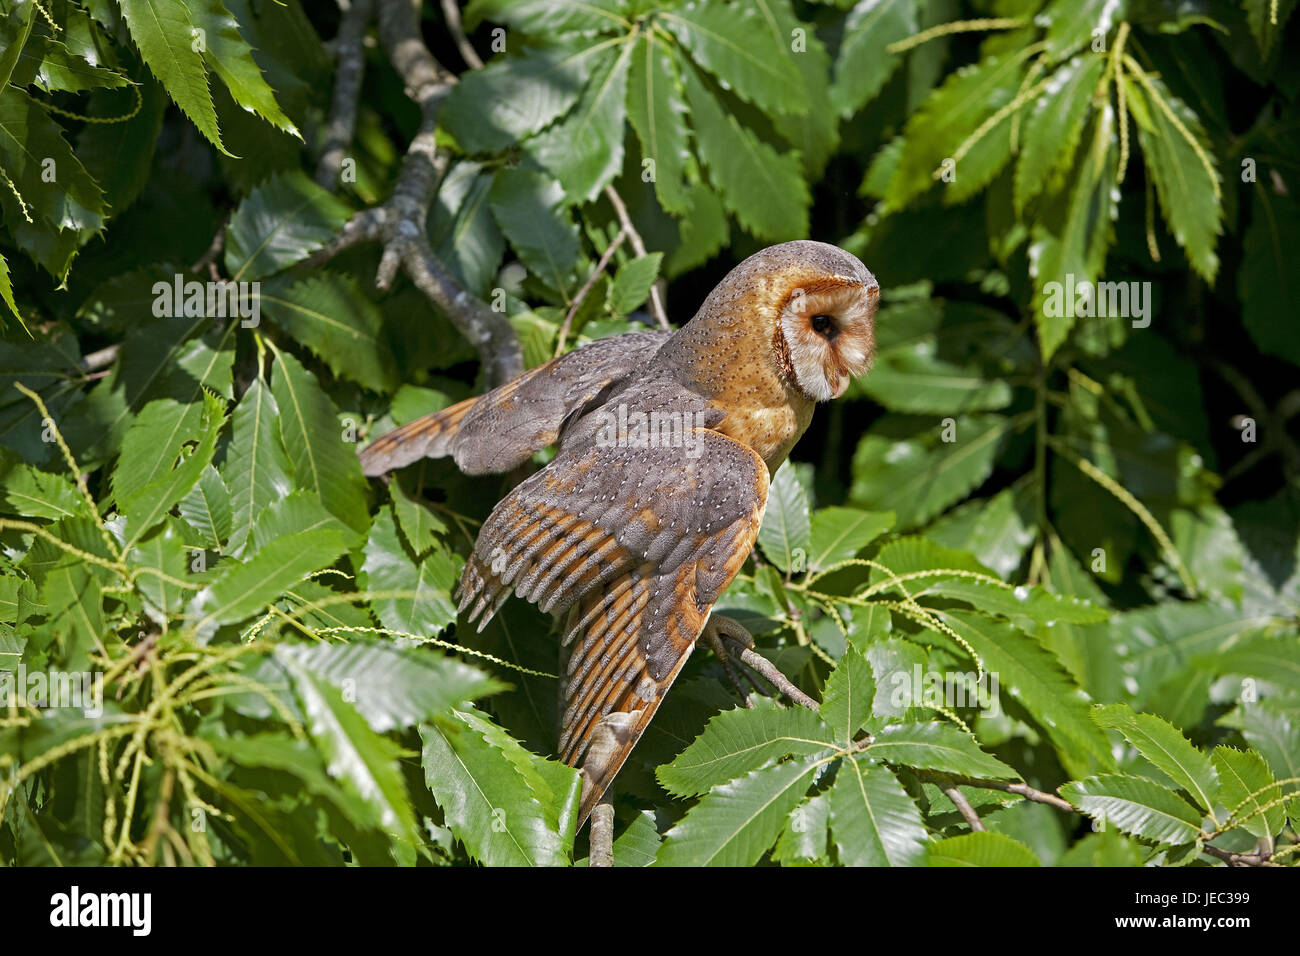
[500, 430]
[630, 547]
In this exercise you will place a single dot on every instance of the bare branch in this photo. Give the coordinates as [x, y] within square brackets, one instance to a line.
[656, 295]
[963, 806]
[586, 287]
[400, 222]
[467, 53]
[602, 834]
[347, 92]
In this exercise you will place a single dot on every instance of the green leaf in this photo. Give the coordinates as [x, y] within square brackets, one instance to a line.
[814, 132]
[1247, 786]
[529, 208]
[1277, 738]
[165, 550]
[152, 442]
[786, 533]
[323, 462]
[937, 746]
[548, 17]
[494, 108]
[1072, 23]
[1070, 241]
[1163, 745]
[1265, 282]
[837, 534]
[230, 56]
[981, 849]
[732, 44]
[658, 114]
[557, 787]
[485, 799]
[849, 695]
[297, 511]
[1186, 179]
[242, 589]
[1137, 806]
[256, 469]
[873, 820]
[390, 686]
[904, 465]
[864, 63]
[330, 315]
[1051, 132]
[74, 612]
[281, 222]
[638, 844]
[206, 509]
[50, 65]
[420, 526]
[737, 822]
[165, 33]
[361, 759]
[765, 190]
[32, 148]
[461, 228]
[740, 740]
[1034, 677]
[804, 839]
[585, 150]
[947, 117]
[7, 292]
[31, 493]
[145, 505]
[631, 286]
[1104, 849]
[387, 567]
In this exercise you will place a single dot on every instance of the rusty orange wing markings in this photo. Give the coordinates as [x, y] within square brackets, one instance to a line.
[631, 576]
[429, 436]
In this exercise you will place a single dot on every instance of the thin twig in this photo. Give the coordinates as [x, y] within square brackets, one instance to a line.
[1240, 859]
[1019, 789]
[347, 92]
[451, 13]
[774, 676]
[963, 805]
[586, 287]
[602, 834]
[101, 359]
[656, 295]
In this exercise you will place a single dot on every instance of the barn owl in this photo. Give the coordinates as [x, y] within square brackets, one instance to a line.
[666, 442]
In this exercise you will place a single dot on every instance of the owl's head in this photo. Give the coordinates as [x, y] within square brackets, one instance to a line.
[824, 334]
[806, 307]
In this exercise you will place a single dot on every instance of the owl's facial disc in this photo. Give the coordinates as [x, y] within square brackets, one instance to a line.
[828, 327]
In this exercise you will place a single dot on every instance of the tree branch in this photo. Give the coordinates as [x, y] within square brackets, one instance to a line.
[399, 224]
[451, 13]
[602, 834]
[963, 806]
[347, 92]
[586, 287]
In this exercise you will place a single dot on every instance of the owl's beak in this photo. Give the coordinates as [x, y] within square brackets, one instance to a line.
[842, 387]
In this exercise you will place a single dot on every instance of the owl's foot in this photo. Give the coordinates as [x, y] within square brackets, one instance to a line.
[712, 636]
[729, 638]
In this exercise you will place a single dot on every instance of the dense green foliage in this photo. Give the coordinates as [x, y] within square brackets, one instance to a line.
[1084, 529]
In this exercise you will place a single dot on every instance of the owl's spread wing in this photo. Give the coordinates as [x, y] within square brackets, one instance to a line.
[500, 430]
[630, 547]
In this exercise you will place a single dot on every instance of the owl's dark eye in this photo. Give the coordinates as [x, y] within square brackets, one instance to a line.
[824, 325]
